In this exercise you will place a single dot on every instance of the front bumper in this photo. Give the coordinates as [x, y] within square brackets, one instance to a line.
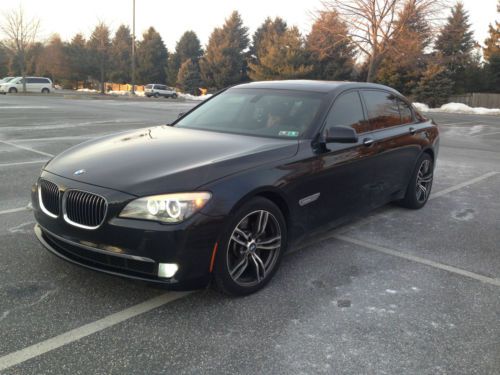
[127, 247]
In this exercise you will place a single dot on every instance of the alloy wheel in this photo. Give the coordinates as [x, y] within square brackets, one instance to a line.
[253, 248]
[424, 181]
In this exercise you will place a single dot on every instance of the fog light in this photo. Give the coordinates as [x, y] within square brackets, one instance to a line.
[167, 269]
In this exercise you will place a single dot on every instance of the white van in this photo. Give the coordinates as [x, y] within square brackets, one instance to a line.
[33, 84]
[156, 90]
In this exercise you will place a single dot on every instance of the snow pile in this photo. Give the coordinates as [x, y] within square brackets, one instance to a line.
[125, 93]
[192, 97]
[458, 108]
[87, 90]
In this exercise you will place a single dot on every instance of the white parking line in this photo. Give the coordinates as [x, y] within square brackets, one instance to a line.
[26, 148]
[23, 163]
[413, 258]
[14, 210]
[48, 345]
[462, 185]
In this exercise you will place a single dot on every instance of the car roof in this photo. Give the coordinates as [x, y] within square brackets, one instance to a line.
[313, 86]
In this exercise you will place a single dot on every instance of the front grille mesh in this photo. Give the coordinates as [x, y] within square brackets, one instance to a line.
[50, 196]
[84, 208]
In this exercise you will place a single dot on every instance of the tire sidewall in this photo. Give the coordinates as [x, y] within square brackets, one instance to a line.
[223, 280]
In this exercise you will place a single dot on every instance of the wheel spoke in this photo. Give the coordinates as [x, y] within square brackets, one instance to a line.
[239, 268]
[269, 244]
[238, 241]
[258, 265]
[262, 223]
[241, 233]
[425, 179]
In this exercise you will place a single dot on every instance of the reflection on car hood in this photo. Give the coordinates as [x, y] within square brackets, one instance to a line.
[166, 159]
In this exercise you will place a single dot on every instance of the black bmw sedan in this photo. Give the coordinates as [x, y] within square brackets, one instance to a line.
[222, 192]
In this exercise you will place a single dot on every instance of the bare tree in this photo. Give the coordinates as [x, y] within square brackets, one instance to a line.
[372, 24]
[20, 33]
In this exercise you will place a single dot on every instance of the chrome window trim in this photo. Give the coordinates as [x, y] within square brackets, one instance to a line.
[71, 222]
[40, 201]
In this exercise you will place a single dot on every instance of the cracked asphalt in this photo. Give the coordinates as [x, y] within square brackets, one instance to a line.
[395, 292]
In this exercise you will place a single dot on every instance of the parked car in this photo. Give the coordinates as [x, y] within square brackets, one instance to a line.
[226, 189]
[157, 90]
[6, 79]
[33, 84]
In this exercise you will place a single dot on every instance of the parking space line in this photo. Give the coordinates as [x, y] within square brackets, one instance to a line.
[413, 258]
[39, 161]
[26, 148]
[14, 210]
[76, 334]
[462, 185]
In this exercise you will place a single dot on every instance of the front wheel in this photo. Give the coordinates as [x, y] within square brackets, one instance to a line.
[250, 251]
[174, 96]
[419, 188]
[12, 90]
[45, 91]
[156, 95]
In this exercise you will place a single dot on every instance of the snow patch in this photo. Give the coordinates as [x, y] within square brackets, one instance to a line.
[87, 90]
[125, 93]
[192, 97]
[458, 108]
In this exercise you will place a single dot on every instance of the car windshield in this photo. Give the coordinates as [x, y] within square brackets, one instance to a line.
[269, 113]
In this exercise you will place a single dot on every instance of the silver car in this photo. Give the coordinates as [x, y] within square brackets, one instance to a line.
[157, 90]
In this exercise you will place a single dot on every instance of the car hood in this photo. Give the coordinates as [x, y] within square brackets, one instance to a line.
[165, 159]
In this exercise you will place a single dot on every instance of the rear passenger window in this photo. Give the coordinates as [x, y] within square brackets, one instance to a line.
[404, 109]
[383, 109]
[31, 80]
[348, 111]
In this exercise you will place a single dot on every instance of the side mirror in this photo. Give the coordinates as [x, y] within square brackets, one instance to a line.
[341, 134]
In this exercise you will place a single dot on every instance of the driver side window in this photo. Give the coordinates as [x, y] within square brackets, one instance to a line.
[348, 111]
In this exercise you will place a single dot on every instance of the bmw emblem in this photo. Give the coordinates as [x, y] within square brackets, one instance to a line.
[79, 172]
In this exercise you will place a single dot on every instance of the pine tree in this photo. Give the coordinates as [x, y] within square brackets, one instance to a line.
[455, 45]
[78, 59]
[330, 50]
[189, 78]
[121, 55]
[280, 55]
[406, 60]
[3, 62]
[435, 87]
[277, 26]
[188, 47]
[99, 46]
[152, 57]
[224, 62]
[492, 54]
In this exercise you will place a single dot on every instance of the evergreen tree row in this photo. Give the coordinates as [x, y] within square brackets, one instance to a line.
[430, 68]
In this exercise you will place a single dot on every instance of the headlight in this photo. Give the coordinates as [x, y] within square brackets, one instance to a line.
[167, 208]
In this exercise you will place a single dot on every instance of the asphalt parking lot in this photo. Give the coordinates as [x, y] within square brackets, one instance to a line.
[395, 292]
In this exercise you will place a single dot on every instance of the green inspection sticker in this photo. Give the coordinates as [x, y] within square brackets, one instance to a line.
[288, 133]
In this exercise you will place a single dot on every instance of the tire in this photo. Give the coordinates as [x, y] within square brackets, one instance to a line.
[242, 266]
[45, 91]
[174, 96]
[12, 90]
[156, 95]
[420, 185]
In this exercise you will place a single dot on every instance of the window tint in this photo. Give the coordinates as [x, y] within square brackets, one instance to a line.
[347, 111]
[31, 80]
[404, 109]
[148, 86]
[383, 109]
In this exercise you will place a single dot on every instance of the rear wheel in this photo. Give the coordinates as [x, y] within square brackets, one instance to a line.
[419, 188]
[251, 249]
[12, 90]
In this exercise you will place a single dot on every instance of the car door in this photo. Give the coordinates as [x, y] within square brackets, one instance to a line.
[342, 173]
[31, 85]
[397, 147]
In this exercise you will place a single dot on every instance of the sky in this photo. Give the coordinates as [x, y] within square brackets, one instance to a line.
[172, 18]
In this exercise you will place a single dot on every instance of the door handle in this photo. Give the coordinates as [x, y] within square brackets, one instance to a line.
[368, 142]
[412, 130]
